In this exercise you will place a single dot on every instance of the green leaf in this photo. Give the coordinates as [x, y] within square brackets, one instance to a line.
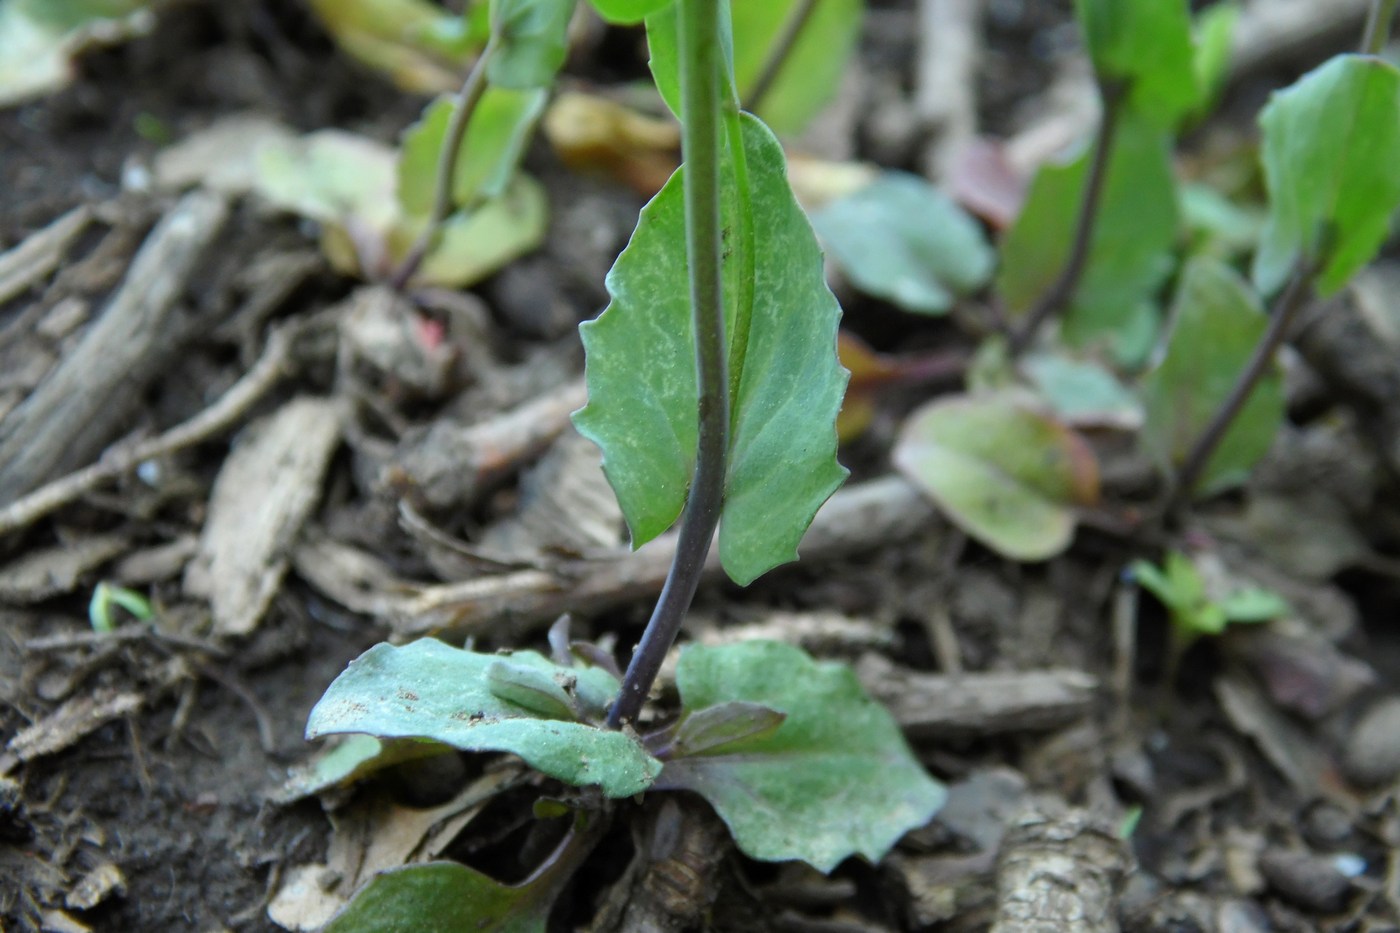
[1005, 473]
[1130, 253]
[356, 757]
[532, 41]
[809, 75]
[1216, 323]
[628, 11]
[1145, 45]
[430, 690]
[902, 239]
[495, 139]
[1082, 392]
[1331, 143]
[442, 897]
[473, 245]
[835, 779]
[642, 385]
[1215, 37]
[714, 727]
[1254, 604]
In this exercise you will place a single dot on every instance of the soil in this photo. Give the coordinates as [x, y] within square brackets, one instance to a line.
[143, 782]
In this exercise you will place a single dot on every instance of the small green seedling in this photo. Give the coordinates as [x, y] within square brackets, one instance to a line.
[106, 597]
[1200, 604]
[714, 387]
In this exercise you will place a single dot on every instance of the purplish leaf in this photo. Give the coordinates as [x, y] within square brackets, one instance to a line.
[642, 384]
[1130, 253]
[443, 897]
[1002, 470]
[429, 690]
[902, 239]
[836, 779]
[1330, 150]
[1144, 46]
[1216, 322]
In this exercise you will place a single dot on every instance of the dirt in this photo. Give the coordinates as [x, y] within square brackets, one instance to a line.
[160, 810]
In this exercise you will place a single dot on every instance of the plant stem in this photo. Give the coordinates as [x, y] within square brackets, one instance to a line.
[1062, 290]
[778, 55]
[1378, 26]
[1294, 298]
[463, 107]
[700, 123]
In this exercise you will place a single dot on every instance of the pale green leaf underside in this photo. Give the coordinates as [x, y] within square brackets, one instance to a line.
[904, 240]
[431, 690]
[442, 897]
[1216, 322]
[642, 383]
[1005, 473]
[1331, 144]
[836, 779]
[533, 42]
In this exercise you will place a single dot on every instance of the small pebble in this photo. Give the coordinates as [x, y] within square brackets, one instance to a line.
[1372, 754]
[1308, 881]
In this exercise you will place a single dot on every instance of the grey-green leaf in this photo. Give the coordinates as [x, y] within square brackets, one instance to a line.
[442, 897]
[902, 239]
[642, 384]
[430, 690]
[836, 779]
[1216, 321]
[532, 40]
[1331, 144]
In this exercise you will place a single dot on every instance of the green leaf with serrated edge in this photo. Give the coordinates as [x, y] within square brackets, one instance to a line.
[902, 239]
[810, 73]
[442, 897]
[628, 11]
[1331, 144]
[1131, 248]
[836, 779]
[642, 383]
[430, 690]
[1002, 470]
[532, 41]
[496, 137]
[1216, 322]
[1146, 46]
[713, 728]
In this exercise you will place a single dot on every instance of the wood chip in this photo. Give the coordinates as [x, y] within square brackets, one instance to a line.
[102, 882]
[31, 261]
[73, 720]
[78, 408]
[1061, 872]
[265, 491]
[939, 706]
[59, 569]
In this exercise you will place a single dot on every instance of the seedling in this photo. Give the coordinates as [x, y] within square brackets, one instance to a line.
[713, 392]
[107, 597]
[1198, 607]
